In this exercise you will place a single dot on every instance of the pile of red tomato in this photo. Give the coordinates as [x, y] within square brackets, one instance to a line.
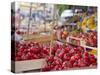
[62, 57]
[67, 56]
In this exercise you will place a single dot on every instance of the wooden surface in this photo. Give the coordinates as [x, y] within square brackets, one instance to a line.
[39, 38]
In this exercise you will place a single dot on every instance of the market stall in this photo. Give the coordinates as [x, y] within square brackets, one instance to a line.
[55, 40]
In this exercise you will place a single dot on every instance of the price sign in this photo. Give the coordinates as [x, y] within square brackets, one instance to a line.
[75, 41]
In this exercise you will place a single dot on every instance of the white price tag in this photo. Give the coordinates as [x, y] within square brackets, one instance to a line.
[78, 42]
[75, 41]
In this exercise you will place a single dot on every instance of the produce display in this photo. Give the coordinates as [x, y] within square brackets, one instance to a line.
[67, 56]
[90, 37]
[49, 37]
[89, 22]
[62, 57]
[31, 51]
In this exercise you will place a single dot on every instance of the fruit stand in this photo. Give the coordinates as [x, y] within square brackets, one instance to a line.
[48, 45]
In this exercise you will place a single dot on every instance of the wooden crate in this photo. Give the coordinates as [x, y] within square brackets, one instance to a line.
[81, 42]
[27, 65]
